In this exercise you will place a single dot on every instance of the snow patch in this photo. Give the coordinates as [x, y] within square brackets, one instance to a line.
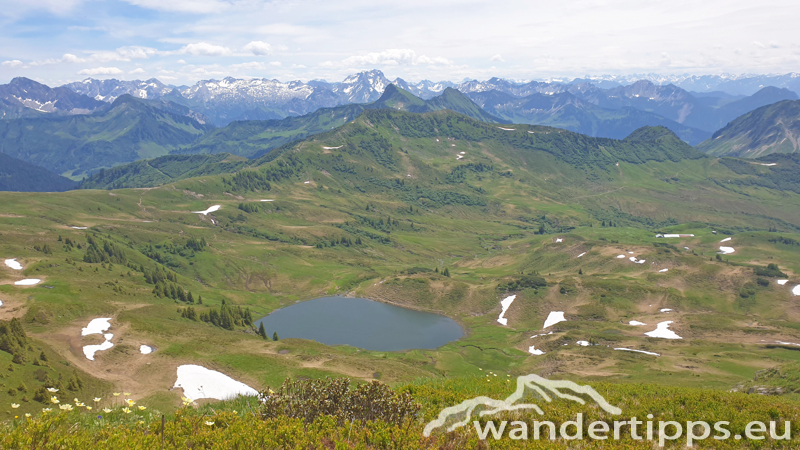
[97, 326]
[209, 210]
[782, 282]
[583, 343]
[581, 254]
[663, 270]
[796, 290]
[553, 318]
[559, 240]
[505, 303]
[80, 228]
[533, 351]
[90, 350]
[726, 239]
[198, 382]
[726, 250]
[637, 351]
[665, 309]
[620, 256]
[14, 264]
[333, 148]
[306, 182]
[636, 323]
[662, 331]
[268, 200]
[508, 129]
[145, 349]
[27, 282]
[543, 334]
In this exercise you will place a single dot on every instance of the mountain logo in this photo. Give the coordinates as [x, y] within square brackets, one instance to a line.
[547, 389]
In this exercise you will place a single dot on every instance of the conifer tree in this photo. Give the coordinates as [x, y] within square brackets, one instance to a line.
[275, 336]
[261, 331]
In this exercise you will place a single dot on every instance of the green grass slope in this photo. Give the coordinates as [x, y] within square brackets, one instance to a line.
[163, 170]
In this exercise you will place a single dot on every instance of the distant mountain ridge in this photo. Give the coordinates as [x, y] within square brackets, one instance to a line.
[255, 138]
[75, 145]
[20, 176]
[769, 129]
[39, 97]
[693, 116]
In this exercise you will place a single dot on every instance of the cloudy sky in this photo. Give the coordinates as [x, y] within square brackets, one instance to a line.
[182, 41]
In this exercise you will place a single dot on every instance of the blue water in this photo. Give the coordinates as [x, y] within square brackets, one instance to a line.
[361, 323]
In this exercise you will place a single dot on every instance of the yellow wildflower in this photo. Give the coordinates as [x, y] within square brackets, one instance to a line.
[116, 394]
[126, 410]
[142, 408]
[54, 399]
[106, 410]
[209, 423]
[53, 390]
[88, 408]
[97, 399]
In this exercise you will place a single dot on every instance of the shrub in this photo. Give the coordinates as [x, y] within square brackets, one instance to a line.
[311, 399]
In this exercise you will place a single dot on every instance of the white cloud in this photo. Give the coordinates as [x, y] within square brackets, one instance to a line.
[258, 48]
[69, 58]
[497, 58]
[101, 71]
[189, 6]
[275, 63]
[135, 71]
[390, 57]
[180, 61]
[122, 54]
[205, 49]
[12, 63]
[248, 66]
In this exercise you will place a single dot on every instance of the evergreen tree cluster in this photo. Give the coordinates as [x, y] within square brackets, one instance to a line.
[173, 291]
[197, 245]
[248, 207]
[13, 340]
[333, 242]
[227, 317]
[100, 251]
[159, 275]
[188, 249]
[247, 180]
[43, 248]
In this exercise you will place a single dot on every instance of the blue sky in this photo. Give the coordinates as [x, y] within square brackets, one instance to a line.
[182, 41]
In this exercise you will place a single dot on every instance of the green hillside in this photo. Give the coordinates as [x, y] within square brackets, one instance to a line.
[74, 146]
[770, 129]
[163, 170]
[16, 175]
[255, 138]
[379, 208]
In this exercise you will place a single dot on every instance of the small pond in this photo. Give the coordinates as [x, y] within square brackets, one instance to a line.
[361, 323]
